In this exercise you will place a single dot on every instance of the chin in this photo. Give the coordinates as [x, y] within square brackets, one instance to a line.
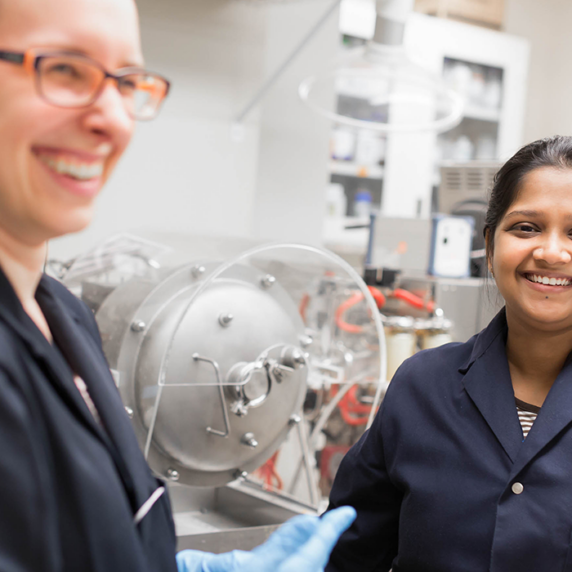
[549, 319]
[70, 224]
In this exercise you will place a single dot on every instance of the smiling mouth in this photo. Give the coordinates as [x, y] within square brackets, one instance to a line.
[548, 280]
[76, 169]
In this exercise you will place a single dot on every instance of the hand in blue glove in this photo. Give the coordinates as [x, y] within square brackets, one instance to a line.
[197, 561]
[303, 544]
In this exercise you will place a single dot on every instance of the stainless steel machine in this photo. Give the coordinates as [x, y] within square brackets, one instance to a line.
[214, 360]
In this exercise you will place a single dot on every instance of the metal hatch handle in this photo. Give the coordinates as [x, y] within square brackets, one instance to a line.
[216, 368]
[226, 431]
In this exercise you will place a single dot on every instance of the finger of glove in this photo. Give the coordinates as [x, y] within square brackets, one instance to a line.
[192, 560]
[228, 562]
[315, 553]
[286, 540]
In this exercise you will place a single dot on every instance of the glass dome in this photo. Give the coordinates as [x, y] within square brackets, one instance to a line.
[380, 88]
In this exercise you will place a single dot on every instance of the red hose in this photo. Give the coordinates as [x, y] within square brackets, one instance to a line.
[343, 308]
[413, 300]
[353, 412]
[354, 299]
[304, 306]
[379, 298]
[270, 475]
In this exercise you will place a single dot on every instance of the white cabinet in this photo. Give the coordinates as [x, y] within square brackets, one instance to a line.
[489, 68]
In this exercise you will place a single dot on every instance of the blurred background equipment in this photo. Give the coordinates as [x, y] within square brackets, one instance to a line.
[217, 362]
[401, 243]
[451, 243]
[465, 182]
[464, 191]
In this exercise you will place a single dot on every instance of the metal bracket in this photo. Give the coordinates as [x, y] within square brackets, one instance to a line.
[216, 368]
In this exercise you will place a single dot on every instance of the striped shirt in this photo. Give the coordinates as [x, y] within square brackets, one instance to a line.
[527, 414]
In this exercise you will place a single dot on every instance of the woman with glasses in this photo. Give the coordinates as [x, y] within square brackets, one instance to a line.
[75, 492]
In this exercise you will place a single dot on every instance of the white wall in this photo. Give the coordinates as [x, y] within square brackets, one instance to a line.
[183, 171]
[546, 24]
[294, 141]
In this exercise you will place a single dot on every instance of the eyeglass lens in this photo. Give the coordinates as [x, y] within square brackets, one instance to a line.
[69, 81]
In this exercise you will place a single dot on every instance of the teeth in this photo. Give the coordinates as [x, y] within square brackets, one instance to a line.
[549, 281]
[81, 171]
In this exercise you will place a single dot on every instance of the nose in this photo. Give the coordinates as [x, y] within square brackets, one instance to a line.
[554, 250]
[108, 114]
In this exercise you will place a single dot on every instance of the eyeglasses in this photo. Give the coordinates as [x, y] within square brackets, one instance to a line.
[72, 80]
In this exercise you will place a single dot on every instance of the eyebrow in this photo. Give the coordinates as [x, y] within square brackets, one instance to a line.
[80, 52]
[529, 214]
[526, 213]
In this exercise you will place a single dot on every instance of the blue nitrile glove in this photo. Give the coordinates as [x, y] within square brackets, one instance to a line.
[303, 544]
[197, 561]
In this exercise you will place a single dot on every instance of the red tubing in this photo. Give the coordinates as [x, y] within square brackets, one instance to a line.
[270, 475]
[353, 412]
[304, 306]
[352, 301]
[413, 300]
[380, 300]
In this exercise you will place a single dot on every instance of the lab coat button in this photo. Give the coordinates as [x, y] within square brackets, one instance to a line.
[517, 488]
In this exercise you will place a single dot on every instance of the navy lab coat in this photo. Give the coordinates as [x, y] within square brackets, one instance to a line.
[68, 487]
[443, 481]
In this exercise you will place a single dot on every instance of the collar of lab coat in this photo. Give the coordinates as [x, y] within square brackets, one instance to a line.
[14, 315]
[496, 328]
[488, 383]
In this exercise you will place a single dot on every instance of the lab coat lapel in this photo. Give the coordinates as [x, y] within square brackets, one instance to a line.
[59, 373]
[555, 415]
[86, 358]
[488, 383]
[73, 354]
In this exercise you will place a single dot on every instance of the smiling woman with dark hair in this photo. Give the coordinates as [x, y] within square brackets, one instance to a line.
[76, 494]
[468, 465]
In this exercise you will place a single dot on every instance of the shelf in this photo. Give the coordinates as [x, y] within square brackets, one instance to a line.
[335, 233]
[472, 111]
[352, 169]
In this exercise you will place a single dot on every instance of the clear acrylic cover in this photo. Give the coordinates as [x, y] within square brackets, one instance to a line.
[379, 88]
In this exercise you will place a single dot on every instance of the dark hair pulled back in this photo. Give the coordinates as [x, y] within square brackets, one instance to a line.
[553, 151]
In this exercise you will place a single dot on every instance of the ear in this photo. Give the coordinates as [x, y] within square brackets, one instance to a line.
[489, 249]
